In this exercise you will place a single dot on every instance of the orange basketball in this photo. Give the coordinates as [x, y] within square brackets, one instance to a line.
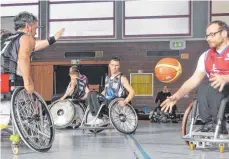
[168, 70]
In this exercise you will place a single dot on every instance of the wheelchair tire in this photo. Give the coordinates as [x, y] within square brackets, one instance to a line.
[68, 108]
[24, 131]
[186, 117]
[122, 117]
[79, 114]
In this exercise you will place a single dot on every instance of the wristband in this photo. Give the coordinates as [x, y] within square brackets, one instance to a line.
[51, 40]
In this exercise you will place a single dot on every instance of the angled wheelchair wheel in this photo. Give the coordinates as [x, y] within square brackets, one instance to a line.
[186, 122]
[124, 119]
[32, 120]
[63, 113]
[79, 114]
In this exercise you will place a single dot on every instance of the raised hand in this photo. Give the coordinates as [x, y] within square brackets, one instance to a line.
[59, 33]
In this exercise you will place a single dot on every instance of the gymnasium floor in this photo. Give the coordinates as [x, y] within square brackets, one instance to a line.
[155, 141]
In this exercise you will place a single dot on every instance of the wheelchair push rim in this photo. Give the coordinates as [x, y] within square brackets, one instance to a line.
[186, 120]
[34, 126]
[124, 119]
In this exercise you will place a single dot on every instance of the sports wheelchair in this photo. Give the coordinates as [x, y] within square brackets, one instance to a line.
[196, 139]
[124, 119]
[158, 116]
[28, 114]
[67, 113]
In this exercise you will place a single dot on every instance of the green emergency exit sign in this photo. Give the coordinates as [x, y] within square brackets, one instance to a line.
[177, 44]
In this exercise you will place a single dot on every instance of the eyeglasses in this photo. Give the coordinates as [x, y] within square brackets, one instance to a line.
[213, 34]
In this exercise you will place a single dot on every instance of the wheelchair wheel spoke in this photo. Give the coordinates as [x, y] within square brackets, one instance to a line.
[129, 113]
[116, 119]
[130, 124]
[116, 110]
[130, 119]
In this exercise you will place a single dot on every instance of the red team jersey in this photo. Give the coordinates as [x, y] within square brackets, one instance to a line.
[217, 63]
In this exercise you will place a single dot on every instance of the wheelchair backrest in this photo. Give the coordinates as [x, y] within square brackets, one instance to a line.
[5, 83]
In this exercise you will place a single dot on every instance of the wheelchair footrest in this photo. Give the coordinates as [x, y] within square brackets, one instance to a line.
[199, 138]
[203, 134]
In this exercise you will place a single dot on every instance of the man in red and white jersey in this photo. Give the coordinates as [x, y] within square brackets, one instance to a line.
[215, 64]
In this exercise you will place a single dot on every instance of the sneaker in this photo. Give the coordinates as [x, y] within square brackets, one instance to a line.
[91, 122]
[208, 127]
[99, 121]
[199, 122]
[106, 120]
[96, 122]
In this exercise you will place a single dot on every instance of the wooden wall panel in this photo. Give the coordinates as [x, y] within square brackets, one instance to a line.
[42, 76]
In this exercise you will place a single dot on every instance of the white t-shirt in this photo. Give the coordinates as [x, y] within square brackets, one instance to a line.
[201, 62]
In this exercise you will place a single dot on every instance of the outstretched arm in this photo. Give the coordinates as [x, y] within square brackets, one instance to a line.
[41, 44]
[187, 87]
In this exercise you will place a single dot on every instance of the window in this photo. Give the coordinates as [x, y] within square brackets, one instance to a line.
[7, 23]
[158, 18]
[82, 19]
[11, 8]
[219, 11]
[142, 83]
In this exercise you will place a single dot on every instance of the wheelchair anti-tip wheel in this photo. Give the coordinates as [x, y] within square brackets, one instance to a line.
[123, 118]
[15, 148]
[32, 120]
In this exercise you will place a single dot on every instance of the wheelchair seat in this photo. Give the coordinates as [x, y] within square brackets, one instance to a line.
[5, 83]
